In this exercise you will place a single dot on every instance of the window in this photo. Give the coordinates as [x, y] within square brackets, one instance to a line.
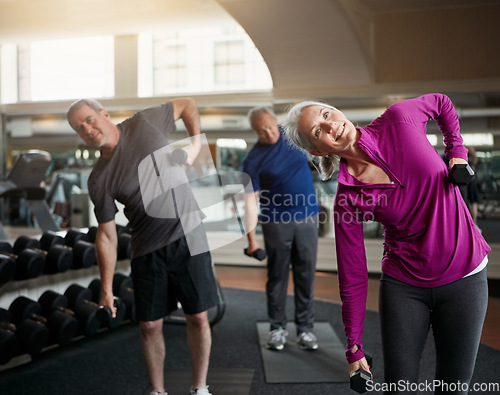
[229, 62]
[8, 73]
[170, 71]
[198, 60]
[68, 69]
[209, 59]
[478, 139]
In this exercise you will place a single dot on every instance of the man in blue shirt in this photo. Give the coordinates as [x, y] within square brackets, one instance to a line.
[282, 182]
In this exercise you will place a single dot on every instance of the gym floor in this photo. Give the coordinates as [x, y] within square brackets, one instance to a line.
[235, 270]
[254, 278]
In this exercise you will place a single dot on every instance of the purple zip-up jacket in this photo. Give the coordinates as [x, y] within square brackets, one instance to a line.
[429, 236]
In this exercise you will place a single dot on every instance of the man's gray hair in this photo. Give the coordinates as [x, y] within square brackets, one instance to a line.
[257, 111]
[93, 104]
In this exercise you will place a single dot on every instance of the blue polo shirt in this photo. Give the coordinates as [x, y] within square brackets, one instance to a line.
[281, 174]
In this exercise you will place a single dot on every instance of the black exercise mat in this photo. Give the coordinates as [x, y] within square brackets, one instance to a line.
[294, 365]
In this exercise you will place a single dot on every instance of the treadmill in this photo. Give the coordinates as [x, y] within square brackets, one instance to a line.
[23, 181]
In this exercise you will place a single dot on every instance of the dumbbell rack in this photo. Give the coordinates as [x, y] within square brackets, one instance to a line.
[58, 282]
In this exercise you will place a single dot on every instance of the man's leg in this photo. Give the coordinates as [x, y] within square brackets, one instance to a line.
[153, 349]
[304, 252]
[199, 338]
[278, 243]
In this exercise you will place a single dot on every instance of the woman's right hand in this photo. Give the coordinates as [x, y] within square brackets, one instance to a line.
[360, 364]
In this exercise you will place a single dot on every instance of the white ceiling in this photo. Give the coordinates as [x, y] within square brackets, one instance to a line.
[325, 49]
[329, 48]
[51, 19]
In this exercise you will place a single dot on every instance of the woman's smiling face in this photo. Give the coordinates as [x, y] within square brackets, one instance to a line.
[327, 129]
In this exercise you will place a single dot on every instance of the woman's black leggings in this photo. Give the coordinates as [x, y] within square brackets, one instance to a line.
[456, 313]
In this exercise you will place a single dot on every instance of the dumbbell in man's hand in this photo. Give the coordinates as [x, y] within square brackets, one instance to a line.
[258, 254]
[179, 156]
[187, 155]
[105, 313]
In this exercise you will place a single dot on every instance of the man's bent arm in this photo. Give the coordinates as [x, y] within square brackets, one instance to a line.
[186, 110]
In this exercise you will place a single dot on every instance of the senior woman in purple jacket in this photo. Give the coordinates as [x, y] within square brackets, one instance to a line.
[434, 261]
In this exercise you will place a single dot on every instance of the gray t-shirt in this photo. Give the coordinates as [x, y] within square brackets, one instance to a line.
[154, 222]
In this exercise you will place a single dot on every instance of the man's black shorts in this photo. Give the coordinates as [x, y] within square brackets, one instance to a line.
[170, 274]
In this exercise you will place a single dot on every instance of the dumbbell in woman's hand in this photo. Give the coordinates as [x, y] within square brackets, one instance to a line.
[359, 378]
[461, 174]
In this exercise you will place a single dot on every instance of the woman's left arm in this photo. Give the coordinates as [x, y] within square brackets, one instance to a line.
[440, 108]
[434, 106]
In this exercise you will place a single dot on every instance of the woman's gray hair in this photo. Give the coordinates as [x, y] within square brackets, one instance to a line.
[291, 129]
[93, 104]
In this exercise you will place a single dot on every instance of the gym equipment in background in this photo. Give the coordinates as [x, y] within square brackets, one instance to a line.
[24, 181]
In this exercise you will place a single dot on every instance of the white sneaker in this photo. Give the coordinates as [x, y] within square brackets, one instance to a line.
[277, 339]
[307, 341]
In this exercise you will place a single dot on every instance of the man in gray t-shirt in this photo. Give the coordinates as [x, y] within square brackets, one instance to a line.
[163, 269]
